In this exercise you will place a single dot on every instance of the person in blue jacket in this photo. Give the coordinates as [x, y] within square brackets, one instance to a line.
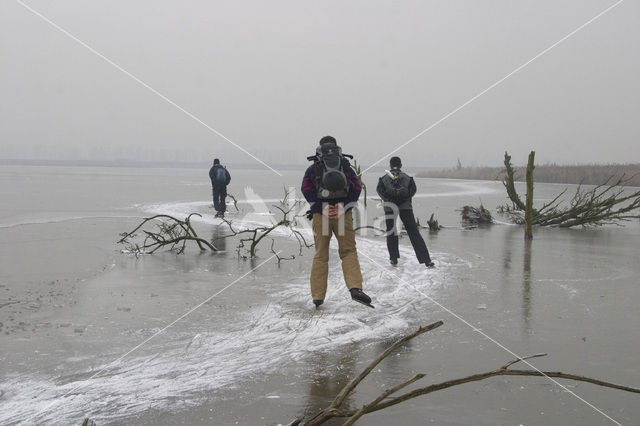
[220, 178]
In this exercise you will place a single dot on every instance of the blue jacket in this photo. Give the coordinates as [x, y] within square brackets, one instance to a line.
[212, 174]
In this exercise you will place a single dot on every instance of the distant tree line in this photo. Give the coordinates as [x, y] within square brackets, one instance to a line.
[588, 174]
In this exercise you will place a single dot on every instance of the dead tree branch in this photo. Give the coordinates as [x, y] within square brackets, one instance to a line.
[607, 203]
[277, 254]
[252, 237]
[356, 168]
[476, 215]
[362, 411]
[509, 184]
[335, 410]
[171, 232]
[235, 201]
[502, 371]
[433, 223]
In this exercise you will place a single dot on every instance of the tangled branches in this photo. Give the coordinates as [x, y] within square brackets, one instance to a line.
[476, 215]
[171, 232]
[174, 234]
[607, 203]
[251, 237]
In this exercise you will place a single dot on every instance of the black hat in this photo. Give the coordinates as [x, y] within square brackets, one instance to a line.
[216, 161]
[328, 139]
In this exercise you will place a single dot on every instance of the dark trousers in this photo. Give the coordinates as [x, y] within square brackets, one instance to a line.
[219, 198]
[409, 222]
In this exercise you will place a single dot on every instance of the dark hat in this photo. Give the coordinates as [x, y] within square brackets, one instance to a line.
[395, 162]
[216, 161]
[328, 139]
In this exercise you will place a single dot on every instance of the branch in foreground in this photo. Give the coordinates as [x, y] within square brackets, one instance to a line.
[499, 372]
[382, 401]
[334, 409]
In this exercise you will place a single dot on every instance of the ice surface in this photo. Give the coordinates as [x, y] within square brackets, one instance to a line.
[285, 329]
[571, 293]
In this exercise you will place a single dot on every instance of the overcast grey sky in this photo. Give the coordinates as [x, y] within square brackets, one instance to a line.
[276, 76]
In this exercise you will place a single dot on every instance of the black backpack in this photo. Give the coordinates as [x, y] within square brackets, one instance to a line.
[331, 171]
[398, 193]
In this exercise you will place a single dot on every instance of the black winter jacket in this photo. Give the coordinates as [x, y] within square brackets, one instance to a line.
[397, 187]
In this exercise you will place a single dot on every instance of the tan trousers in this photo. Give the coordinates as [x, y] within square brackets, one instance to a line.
[342, 228]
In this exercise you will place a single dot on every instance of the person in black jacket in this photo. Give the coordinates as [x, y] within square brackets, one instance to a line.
[220, 178]
[396, 189]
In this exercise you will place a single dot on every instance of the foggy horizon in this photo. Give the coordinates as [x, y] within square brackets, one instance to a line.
[276, 77]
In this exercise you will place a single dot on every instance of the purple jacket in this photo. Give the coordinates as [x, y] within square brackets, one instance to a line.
[311, 193]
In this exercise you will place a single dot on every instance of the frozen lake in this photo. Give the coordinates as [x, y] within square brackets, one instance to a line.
[75, 313]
